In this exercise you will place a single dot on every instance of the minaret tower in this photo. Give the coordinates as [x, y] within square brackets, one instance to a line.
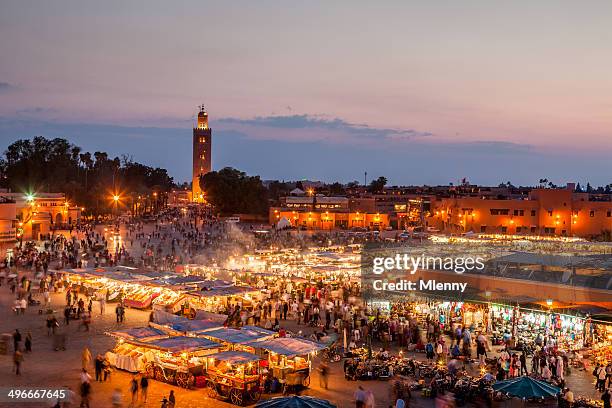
[202, 146]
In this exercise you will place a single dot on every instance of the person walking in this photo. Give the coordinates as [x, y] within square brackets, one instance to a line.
[360, 397]
[85, 394]
[144, 388]
[323, 374]
[85, 358]
[605, 398]
[17, 360]
[134, 391]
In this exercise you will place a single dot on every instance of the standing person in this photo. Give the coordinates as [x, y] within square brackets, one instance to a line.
[171, 399]
[17, 360]
[85, 358]
[144, 387]
[28, 342]
[134, 391]
[523, 359]
[601, 378]
[102, 305]
[98, 365]
[16, 339]
[118, 312]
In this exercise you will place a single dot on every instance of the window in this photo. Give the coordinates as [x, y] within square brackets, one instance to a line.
[550, 213]
[504, 229]
[518, 230]
[202, 140]
[519, 212]
[203, 157]
[533, 213]
[533, 230]
[500, 211]
[549, 230]
[609, 214]
[483, 228]
[591, 213]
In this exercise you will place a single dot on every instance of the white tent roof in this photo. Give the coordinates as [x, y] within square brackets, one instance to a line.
[297, 191]
[283, 223]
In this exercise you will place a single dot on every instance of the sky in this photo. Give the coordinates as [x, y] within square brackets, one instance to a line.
[420, 92]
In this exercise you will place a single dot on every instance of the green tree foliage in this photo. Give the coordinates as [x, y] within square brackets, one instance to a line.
[56, 165]
[231, 191]
[377, 186]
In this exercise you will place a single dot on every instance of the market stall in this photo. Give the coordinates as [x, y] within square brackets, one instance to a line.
[233, 376]
[289, 358]
[175, 360]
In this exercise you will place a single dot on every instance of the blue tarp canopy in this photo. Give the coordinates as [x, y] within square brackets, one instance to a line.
[288, 346]
[260, 330]
[182, 324]
[295, 401]
[526, 387]
[140, 333]
[234, 336]
[235, 357]
[180, 344]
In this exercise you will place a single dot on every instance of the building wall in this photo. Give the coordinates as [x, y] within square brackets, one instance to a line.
[327, 220]
[545, 212]
[36, 215]
[8, 217]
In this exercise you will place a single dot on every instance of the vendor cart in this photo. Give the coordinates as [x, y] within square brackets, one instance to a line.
[289, 359]
[234, 376]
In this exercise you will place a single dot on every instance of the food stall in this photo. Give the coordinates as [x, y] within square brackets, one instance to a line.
[219, 299]
[126, 356]
[233, 376]
[289, 358]
[175, 360]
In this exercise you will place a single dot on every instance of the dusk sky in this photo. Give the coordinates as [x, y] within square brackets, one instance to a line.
[421, 92]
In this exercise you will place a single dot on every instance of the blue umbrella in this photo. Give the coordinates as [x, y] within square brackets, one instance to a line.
[295, 401]
[526, 387]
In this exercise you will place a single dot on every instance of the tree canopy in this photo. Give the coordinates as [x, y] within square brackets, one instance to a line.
[56, 165]
[232, 191]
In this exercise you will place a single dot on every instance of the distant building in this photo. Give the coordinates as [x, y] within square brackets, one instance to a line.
[36, 214]
[202, 149]
[8, 220]
[556, 211]
[456, 210]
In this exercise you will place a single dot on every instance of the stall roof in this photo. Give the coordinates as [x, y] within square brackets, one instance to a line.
[235, 336]
[224, 291]
[180, 344]
[140, 333]
[182, 324]
[288, 346]
[235, 357]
